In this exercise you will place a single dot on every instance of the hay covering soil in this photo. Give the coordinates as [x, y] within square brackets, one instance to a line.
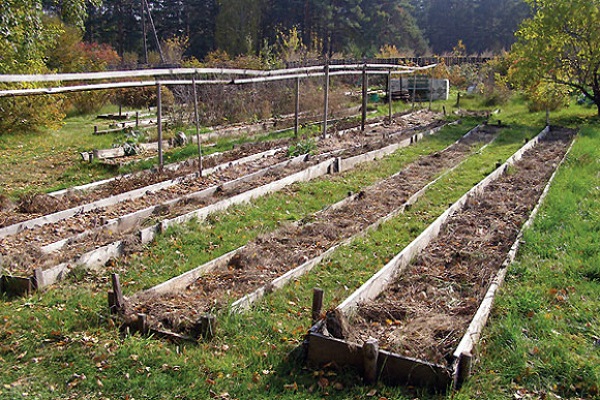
[425, 312]
[272, 255]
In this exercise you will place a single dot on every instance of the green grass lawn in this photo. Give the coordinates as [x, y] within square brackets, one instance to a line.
[542, 338]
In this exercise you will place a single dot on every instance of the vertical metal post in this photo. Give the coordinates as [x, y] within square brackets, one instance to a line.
[144, 32]
[364, 98]
[197, 120]
[297, 108]
[159, 116]
[326, 98]
[389, 89]
[430, 89]
[414, 90]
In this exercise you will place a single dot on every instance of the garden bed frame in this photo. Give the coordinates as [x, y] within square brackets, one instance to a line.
[244, 303]
[394, 368]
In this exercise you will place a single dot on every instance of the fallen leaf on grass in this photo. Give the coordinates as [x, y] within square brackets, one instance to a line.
[291, 386]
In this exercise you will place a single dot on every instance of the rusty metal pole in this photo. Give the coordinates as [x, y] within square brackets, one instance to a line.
[326, 98]
[159, 114]
[197, 120]
[364, 98]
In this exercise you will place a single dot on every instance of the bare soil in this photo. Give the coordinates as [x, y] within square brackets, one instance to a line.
[271, 255]
[427, 310]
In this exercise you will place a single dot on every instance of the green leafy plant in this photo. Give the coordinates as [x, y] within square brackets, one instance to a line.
[305, 146]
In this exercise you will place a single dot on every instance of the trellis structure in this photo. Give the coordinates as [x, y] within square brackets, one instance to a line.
[201, 76]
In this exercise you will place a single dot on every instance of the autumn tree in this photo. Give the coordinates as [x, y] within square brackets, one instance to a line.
[560, 45]
[23, 39]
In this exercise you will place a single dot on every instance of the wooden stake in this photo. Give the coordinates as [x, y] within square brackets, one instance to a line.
[137, 119]
[370, 354]
[38, 278]
[205, 327]
[297, 108]
[159, 112]
[119, 301]
[317, 305]
[197, 120]
[364, 98]
[463, 369]
[140, 324]
[326, 99]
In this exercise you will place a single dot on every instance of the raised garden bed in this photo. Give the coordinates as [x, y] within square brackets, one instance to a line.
[270, 261]
[73, 250]
[417, 323]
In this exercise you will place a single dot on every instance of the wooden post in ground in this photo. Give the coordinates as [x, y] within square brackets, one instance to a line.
[326, 98]
[137, 119]
[363, 118]
[317, 305]
[547, 116]
[463, 369]
[390, 105]
[370, 354]
[118, 302]
[159, 116]
[197, 120]
[38, 278]
[297, 108]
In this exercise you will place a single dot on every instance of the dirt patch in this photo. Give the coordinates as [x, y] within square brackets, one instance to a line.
[427, 310]
[270, 256]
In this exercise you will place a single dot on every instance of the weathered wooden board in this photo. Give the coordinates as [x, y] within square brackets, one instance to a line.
[392, 368]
